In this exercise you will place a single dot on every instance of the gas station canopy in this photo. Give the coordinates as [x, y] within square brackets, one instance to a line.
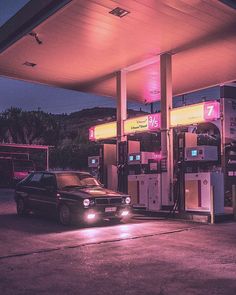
[80, 45]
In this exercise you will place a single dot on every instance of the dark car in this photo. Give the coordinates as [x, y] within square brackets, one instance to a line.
[72, 196]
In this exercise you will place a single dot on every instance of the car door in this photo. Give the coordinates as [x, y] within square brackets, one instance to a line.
[48, 193]
[33, 190]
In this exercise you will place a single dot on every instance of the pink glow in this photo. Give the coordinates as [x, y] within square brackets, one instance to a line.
[151, 82]
[211, 110]
[125, 213]
[158, 156]
[20, 174]
[91, 216]
[92, 133]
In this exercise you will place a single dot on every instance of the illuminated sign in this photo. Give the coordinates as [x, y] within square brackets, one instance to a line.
[103, 131]
[197, 113]
[211, 110]
[141, 124]
[187, 115]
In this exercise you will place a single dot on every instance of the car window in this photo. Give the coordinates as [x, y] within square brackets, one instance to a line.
[75, 179]
[26, 180]
[48, 180]
[35, 180]
[87, 179]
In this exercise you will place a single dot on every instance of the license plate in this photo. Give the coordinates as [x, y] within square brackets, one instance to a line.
[110, 209]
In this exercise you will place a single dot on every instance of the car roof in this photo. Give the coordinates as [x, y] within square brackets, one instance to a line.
[62, 172]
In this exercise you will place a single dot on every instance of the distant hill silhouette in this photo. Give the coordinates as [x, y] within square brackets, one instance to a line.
[68, 133]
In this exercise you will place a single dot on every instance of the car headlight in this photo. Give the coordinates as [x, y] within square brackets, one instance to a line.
[86, 202]
[127, 200]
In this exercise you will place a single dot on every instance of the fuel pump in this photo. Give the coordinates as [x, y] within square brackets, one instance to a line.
[124, 148]
[182, 141]
[103, 165]
[144, 180]
[200, 176]
[230, 172]
[94, 164]
[122, 166]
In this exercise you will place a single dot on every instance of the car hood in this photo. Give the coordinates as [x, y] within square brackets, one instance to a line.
[94, 192]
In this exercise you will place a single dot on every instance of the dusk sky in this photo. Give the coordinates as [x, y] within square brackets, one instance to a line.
[31, 96]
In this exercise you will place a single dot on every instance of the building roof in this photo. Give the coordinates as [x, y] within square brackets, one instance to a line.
[80, 45]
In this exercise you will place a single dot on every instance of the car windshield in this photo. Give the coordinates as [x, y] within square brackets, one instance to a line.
[23, 166]
[73, 180]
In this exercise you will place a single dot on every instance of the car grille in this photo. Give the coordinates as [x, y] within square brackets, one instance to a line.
[108, 201]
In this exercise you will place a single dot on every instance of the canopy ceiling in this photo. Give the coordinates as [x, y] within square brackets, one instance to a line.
[83, 45]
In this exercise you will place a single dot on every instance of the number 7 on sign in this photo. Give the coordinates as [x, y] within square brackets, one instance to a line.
[211, 110]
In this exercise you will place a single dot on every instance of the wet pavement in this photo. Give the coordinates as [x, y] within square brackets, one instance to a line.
[143, 256]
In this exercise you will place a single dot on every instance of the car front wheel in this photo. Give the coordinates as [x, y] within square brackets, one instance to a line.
[21, 207]
[64, 215]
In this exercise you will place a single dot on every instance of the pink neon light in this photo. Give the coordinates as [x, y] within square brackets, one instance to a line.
[92, 133]
[211, 110]
[154, 121]
[151, 82]
[158, 156]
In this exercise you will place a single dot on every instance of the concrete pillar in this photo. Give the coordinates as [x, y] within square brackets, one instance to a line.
[122, 149]
[121, 111]
[166, 133]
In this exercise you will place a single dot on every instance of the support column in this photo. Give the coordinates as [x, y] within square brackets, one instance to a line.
[166, 133]
[121, 113]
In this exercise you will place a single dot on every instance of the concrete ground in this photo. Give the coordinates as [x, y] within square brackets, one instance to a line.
[144, 256]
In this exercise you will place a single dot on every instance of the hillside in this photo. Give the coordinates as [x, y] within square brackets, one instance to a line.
[67, 133]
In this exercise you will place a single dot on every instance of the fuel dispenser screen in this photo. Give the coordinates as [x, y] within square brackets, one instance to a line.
[93, 161]
[201, 153]
[135, 159]
[194, 153]
[138, 158]
[131, 158]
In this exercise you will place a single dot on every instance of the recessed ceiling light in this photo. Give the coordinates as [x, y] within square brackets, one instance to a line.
[120, 12]
[29, 64]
